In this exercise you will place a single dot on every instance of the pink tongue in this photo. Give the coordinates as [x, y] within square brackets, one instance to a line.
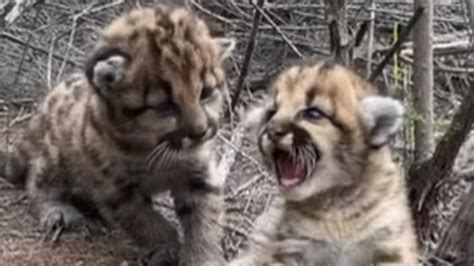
[290, 171]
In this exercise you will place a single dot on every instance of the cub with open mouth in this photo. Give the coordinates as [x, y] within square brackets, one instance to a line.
[324, 134]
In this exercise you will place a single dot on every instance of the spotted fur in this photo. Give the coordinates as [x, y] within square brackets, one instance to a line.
[141, 119]
[344, 199]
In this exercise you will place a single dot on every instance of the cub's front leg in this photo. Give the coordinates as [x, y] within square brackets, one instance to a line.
[132, 210]
[261, 244]
[398, 249]
[199, 207]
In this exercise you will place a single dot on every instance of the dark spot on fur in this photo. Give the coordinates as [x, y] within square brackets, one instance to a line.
[105, 170]
[131, 21]
[52, 102]
[76, 92]
[310, 94]
[64, 112]
[166, 87]
[184, 210]
[93, 155]
[95, 123]
[301, 136]
[387, 256]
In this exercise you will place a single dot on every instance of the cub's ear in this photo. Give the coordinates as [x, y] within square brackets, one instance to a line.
[105, 68]
[226, 47]
[381, 117]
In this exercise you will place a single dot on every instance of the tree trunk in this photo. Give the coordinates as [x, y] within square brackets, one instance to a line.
[424, 176]
[340, 39]
[423, 81]
[457, 246]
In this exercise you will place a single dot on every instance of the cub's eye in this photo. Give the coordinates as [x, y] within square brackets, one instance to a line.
[134, 111]
[312, 114]
[206, 93]
[166, 108]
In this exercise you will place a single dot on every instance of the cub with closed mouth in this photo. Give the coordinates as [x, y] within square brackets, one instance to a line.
[141, 118]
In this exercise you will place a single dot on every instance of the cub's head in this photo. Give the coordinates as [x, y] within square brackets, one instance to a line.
[159, 72]
[320, 126]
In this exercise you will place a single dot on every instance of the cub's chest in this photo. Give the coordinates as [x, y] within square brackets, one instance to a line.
[326, 243]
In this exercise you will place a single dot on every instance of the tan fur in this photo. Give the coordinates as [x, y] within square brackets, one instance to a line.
[351, 209]
[141, 120]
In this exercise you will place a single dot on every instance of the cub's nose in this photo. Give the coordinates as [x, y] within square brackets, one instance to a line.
[276, 132]
[197, 132]
[195, 122]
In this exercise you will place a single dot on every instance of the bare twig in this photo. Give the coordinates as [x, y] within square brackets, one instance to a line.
[209, 13]
[359, 36]
[38, 49]
[30, 34]
[12, 10]
[278, 30]
[248, 56]
[50, 63]
[71, 40]
[363, 7]
[397, 45]
[75, 24]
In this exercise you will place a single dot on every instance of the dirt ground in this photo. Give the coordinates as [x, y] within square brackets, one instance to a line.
[21, 242]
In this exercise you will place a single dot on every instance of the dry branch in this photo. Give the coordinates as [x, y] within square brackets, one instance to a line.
[25, 50]
[11, 10]
[248, 56]
[278, 30]
[396, 46]
[38, 49]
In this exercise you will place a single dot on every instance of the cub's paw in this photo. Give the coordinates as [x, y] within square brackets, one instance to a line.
[56, 219]
[162, 256]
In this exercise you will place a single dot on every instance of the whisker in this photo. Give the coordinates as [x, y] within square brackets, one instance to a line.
[166, 157]
[157, 151]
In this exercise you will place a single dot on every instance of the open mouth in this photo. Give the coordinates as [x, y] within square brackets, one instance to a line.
[290, 171]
